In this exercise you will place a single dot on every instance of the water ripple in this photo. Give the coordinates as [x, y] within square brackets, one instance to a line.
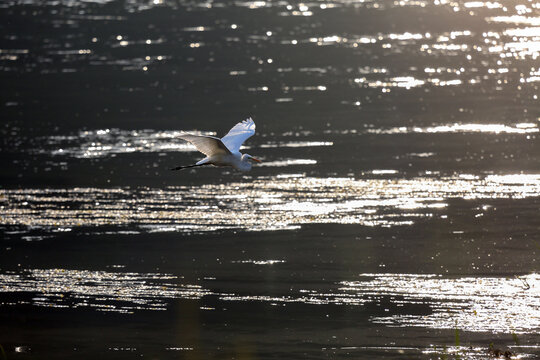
[107, 142]
[477, 304]
[98, 290]
[482, 304]
[274, 203]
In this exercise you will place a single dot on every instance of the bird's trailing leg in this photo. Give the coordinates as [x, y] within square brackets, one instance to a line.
[186, 166]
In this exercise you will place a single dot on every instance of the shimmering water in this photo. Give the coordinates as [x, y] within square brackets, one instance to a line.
[275, 203]
[395, 213]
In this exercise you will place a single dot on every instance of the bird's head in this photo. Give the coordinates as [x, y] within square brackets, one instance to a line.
[247, 158]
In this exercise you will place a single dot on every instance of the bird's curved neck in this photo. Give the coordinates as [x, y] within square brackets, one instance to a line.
[244, 164]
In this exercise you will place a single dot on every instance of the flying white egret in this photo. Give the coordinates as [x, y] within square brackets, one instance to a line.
[224, 151]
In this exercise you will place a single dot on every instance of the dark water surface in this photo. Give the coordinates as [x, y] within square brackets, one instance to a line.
[395, 214]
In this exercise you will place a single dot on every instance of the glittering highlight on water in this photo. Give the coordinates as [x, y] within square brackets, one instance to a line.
[275, 203]
[98, 290]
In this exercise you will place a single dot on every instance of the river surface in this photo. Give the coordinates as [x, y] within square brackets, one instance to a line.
[395, 213]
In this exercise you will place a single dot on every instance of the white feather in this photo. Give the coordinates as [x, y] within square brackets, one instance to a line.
[238, 134]
[208, 145]
[224, 151]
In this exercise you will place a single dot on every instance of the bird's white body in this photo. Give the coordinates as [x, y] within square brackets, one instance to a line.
[224, 151]
[234, 160]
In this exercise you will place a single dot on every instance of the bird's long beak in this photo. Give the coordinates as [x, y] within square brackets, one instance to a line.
[255, 159]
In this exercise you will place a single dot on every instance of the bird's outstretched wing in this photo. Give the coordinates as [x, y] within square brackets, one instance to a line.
[238, 134]
[208, 145]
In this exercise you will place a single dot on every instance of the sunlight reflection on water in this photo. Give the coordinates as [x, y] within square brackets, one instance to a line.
[98, 290]
[107, 142]
[521, 128]
[495, 304]
[483, 304]
[265, 204]
[424, 125]
[471, 303]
